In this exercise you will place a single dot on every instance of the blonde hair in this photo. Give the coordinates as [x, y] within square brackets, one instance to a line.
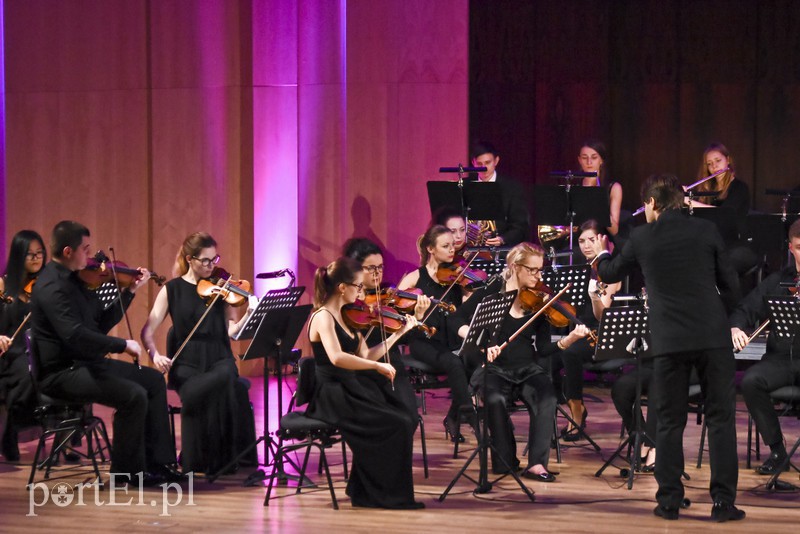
[326, 278]
[726, 178]
[519, 254]
[428, 239]
[191, 246]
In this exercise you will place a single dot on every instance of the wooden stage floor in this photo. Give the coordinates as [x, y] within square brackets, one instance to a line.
[577, 502]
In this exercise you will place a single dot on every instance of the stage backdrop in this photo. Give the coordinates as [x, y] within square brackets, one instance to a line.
[657, 81]
[282, 127]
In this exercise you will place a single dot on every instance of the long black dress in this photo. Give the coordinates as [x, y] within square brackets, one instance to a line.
[379, 433]
[216, 419]
[16, 388]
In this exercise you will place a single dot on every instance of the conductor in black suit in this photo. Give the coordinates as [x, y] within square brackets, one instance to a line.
[689, 283]
[70, 327]
[515, 226]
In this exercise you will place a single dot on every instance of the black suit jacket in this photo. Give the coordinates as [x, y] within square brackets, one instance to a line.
[687, 276]
[69, 323]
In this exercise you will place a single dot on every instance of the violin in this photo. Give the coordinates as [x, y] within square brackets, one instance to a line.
[459, 273]
[360, 315]
[234, 292]
[101, 270]
[558, 314]
[405, 300]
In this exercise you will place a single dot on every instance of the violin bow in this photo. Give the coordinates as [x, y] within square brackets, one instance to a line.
[119, 296]
[201, 319]
[535, 316]
[18, 330]
[384, 341]
[452, 284]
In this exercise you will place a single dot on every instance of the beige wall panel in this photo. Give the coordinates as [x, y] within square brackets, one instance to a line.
[73, 45]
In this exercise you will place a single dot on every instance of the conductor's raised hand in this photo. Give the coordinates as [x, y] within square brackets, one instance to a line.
[600, 244]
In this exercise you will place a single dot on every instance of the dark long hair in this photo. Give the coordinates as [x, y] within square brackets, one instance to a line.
[326, 279]
[15, 276]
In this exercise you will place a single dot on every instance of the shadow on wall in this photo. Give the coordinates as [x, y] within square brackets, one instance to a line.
[361, 214]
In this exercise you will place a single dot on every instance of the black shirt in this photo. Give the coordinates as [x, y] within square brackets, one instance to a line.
[70, 323]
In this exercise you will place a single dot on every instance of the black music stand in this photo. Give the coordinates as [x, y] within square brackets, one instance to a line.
[483, 330]
[767, 234]
[558, 205]
[625, 331]
[557, 277]
[475, 200]
[785, 314]
[274, 328]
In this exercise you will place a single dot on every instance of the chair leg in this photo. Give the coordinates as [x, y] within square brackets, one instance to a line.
[749, 439]
[702, 444]
[324, 461]
[272, 475]
[344, 461]
[424, 447]
[557, 438]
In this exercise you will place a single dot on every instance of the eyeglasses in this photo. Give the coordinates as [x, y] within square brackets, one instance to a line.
[206, 262]
[35, 255]
[360, 287]
[533, 271]
[373, 269]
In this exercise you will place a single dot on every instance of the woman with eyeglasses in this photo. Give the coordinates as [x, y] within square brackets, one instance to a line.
[436, 247]
[216, 418]
[25, 259]
[520, 369]
[370, 257]
[378, 431]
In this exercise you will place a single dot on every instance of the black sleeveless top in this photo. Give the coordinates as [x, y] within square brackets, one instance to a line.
[438, 318]
[185, 308]
[347, 342]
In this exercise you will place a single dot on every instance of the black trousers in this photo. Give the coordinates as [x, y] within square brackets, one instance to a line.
[572, 359]
[623, 393]
[443, 360]
[761, 379]
[538, 395]
[715, 369]
[139, 398]
[16, 389]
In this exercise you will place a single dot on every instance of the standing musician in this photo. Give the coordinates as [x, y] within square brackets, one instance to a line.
[515, 226]
[216, 419]
[25, 259]
[685, 269]
[734, 194]
[780, 365]
[370, 257]
[436, 248]
[70, 328]
[592, 158]
[517, 370]
[378, 431]
[573, 358]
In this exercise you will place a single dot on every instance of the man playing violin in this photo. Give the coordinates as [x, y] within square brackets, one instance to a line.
[687, 277]
[777, 368]
[70, 327]
[518, 369]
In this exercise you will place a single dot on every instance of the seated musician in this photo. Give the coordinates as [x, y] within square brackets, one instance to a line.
[573, 358]
[70, 328]
[216, 419]
[593, 158]
[518, 369]
[436, 250]
[380, 433]
[778, 367]
[25, 260]
[514, 227]
[454, 221]
[370, 257]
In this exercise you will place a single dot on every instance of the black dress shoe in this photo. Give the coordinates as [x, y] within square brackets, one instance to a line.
[451, 430]
[666, 513]
[543, 477]
[771, 465]
[169, 473]
[725, 511]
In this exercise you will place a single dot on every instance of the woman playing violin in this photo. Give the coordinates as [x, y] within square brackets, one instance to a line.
[379, 432]
[517, 370]
[25, 259]
[370, 257]
[216, 419]
[436, 248]
[573, 358]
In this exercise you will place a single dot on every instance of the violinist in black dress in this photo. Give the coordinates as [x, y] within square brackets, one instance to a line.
[377, 427]
[25, 260]
[216, 418]
[70, 326]
[436, 248]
